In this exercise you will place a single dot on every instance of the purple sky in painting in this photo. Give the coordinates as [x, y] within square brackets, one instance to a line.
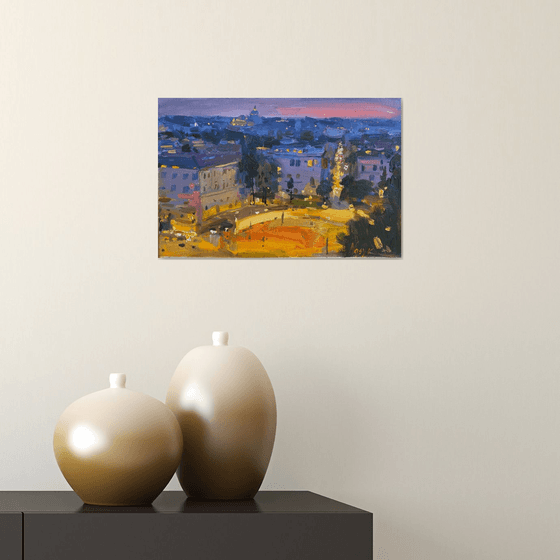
[283, 107]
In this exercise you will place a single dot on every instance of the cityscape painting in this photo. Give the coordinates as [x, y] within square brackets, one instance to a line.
[260, 178]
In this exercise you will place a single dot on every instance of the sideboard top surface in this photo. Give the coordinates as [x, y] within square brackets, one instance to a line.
[176, 502]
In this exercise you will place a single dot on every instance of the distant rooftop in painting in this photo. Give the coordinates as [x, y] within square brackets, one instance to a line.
[197, 161]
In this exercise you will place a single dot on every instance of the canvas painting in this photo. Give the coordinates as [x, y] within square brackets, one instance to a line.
[284, 178]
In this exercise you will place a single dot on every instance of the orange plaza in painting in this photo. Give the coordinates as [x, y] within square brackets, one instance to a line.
[236, 182]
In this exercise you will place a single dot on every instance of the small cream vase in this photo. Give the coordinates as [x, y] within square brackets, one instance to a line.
[225, 405]
[117, 447]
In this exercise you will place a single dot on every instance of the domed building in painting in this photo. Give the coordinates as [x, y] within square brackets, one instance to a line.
[254, 116]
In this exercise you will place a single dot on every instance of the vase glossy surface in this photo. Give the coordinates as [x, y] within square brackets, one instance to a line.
[117, 447]
[225, 405]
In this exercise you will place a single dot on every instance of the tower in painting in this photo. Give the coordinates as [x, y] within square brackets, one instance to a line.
[254, 116]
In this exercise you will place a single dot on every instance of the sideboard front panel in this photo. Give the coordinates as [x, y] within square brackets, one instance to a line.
[11, 526]
[211, 536]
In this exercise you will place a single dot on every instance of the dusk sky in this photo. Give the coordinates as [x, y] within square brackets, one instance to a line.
[385, 108]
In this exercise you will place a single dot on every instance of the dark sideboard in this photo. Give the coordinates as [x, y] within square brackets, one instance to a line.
[273, 526]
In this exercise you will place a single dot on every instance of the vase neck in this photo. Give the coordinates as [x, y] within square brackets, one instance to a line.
[220, 338]
[117, 381]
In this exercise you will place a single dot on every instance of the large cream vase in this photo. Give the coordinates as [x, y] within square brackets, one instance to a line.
[225, 405]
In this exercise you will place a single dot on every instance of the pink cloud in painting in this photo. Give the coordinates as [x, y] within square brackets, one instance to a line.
[327, 110]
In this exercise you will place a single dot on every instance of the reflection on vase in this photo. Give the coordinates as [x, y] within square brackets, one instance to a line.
[87, 508]
[221, 506]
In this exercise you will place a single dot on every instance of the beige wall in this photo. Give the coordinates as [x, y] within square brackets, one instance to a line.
[425, 389]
